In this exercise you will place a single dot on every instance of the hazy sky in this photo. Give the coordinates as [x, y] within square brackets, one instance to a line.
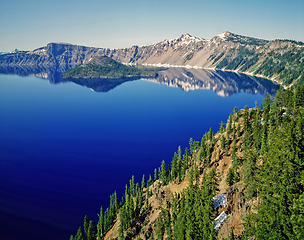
[30, 24]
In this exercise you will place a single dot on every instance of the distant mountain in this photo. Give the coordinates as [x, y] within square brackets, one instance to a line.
[280, 60]
[15, 51]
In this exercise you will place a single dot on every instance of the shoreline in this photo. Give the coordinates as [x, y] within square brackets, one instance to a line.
[214, 69]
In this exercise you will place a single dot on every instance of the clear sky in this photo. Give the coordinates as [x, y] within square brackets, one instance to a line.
[30, 24]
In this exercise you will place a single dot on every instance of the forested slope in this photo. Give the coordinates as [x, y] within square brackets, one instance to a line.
[282, 60]
[257, 159]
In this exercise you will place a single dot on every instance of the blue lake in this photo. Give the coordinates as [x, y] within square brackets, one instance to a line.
[64, 148]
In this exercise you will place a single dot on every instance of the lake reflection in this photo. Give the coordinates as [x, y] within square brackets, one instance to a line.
[65, 149]
[222, 83]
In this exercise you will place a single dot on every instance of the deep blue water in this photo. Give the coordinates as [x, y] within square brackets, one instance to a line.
[64, 148]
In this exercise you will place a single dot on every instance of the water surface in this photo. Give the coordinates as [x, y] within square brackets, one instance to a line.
[64, 148]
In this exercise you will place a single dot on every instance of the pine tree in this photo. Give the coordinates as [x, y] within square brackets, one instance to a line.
[257, 130]
[163, 173]
[233, 131]
[160, 228]
[208, 160]
[150, 181]
[179, 228]
[79, 235]
[155, 174]
[143, 182]
[297, 217]
[179, 161]
[174, 168]
[231, 234]
[185, 163]
[210, 134]
[278, 184]
[91, 234]
[100, 227]
[223, 142]
[132, 186]
[229, 124]
[86, 223]
[235, 111]
[191, 146]
[299, 95]
[222, 127]
[238, 130]
[230, 177]
[246, 118]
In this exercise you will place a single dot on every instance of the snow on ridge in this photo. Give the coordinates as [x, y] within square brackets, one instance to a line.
[222, 35]
[184, 39]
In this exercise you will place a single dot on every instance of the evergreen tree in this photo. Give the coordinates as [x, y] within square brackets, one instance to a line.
[208, 155]
[264, 134]
[100, 227]
[278, 189]
[180, 226]
[185, 163]
[231, 234]
[297, 217]
[229, 124]
[210, 134]
[79, 235]
[238, 130]
[299, 95]
[230, 177]
[174, 167]
[150, 181]
[235, 111]
[191, 146]
[223, 142]
[86, 223]
[246, 118]
[257, 130]
[155, 174]
[233, 131]
[179, 161]
[222, 127]
[160, 228]
[143, 182]
[132, 186]
[91, 234]
[163, 173]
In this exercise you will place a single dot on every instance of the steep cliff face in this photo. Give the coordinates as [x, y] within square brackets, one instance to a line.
[54, 54]
[278, 59]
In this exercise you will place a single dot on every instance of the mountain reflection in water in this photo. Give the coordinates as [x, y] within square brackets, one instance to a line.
[222, 83]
